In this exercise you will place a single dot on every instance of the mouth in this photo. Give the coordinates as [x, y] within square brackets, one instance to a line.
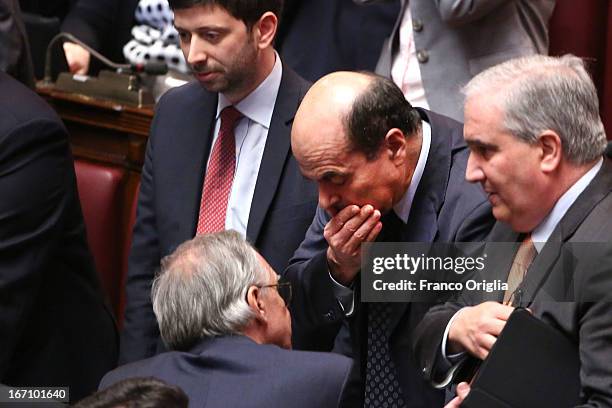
[206, 76]
[493, 197]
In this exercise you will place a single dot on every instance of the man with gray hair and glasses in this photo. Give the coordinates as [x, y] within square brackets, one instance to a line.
[223, 314]
[536, 146]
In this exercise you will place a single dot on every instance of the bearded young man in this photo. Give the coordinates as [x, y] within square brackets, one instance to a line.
[219, 153]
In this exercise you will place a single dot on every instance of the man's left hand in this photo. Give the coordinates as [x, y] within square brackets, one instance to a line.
[463, 390]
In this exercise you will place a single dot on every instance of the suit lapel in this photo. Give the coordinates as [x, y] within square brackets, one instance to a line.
[542, 266]
[196, 143]
[276, 151]
[423, 219]
[422, 223]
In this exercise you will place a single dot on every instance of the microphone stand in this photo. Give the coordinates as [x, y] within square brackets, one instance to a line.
[122, 85]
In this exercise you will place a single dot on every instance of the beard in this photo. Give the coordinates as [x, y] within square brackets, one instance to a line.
[230, 77]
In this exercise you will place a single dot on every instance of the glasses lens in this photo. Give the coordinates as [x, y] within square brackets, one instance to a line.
[284, 290]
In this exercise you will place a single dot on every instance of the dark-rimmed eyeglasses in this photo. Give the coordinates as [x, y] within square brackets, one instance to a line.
[283, 289]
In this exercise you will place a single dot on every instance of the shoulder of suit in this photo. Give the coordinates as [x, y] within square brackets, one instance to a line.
[21, 106]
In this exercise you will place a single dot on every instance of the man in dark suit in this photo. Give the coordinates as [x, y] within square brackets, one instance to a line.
[536, 142]
[346, 36]
[268, 200]
[223, 312]
[381, 166]
[56, 330]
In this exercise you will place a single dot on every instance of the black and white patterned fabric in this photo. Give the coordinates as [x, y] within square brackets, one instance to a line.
[154, 37]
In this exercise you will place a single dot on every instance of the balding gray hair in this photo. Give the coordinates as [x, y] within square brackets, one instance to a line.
[538, 93]
[201, 289]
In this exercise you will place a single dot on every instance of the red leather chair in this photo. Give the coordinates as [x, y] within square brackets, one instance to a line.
[100, 192]
[126, 253]
[582, 28]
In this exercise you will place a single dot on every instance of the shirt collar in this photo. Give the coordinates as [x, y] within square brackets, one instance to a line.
[542, 232]
[402, 208]
[258, 106]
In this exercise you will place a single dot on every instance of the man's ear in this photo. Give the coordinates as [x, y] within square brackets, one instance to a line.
[396, 146]
[551, 150]
[256, 302]
[265, 30]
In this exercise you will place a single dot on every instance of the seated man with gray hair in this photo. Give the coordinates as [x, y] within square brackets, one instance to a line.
[222, 312]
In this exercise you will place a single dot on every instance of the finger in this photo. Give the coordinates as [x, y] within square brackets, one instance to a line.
[374, 232]
[503, 312]
[355, 241]
[494, 326]
[455, 403]
[463, 390]
[352, 225]
[486, 341]
[337, 222]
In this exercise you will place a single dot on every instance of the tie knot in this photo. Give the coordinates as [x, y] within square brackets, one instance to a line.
[229, 117]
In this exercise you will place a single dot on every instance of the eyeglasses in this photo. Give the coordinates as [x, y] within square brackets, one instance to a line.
[283, 289]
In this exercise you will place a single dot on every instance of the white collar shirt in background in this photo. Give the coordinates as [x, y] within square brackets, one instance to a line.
[405, 70]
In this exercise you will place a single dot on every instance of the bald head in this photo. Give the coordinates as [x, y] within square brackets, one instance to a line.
[353, 110]
[325, 108]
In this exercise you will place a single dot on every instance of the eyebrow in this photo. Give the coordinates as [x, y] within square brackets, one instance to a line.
[202, 28]
[480, 144]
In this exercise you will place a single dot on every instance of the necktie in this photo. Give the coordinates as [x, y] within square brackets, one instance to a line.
[219, 176]
[382, 388]
[523, 258]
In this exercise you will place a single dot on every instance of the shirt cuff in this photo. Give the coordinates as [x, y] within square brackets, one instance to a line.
[345, 296]
[450, 362]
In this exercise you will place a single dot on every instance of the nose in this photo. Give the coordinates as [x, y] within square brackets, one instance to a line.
[473, 170]
[328, 199]
[196, 54]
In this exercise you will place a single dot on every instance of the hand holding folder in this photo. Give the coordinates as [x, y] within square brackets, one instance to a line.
[531, 365]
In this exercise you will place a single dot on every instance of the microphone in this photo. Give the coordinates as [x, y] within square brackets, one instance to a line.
[151, 68]
[608, 151]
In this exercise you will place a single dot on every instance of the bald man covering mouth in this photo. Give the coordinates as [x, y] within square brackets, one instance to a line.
[377, 161]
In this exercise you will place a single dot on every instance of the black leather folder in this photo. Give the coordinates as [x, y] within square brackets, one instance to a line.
[531, 365]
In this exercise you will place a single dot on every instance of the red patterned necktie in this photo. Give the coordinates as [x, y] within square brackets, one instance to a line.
[219, 176]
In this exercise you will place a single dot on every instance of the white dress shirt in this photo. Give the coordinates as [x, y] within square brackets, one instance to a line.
[251, 133]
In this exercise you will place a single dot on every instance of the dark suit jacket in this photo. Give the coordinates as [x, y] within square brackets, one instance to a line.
[234, 371]
[445, 209]
[563, 286]
[317, 37]
[15, 55]
[283, 204]
[55, 329]
[105, 25]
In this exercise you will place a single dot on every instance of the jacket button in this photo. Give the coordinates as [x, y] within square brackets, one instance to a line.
[330, 315]
[422, 56]
[417, 25]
